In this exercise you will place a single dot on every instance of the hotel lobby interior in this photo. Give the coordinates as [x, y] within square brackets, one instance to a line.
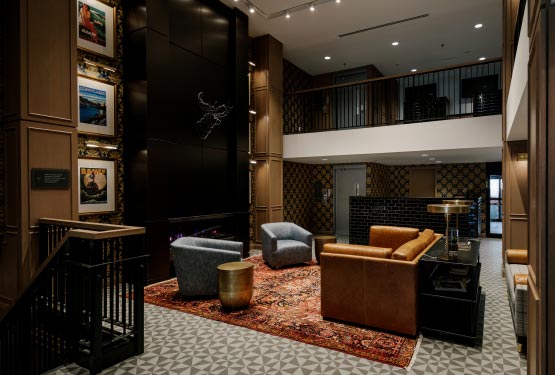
[277, 187]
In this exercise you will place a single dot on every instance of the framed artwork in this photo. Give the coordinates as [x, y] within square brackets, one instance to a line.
[97, 186]
[96, 106]
[95, 27]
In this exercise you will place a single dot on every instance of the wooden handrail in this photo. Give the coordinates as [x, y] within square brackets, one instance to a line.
[496, 59]
[99, 227]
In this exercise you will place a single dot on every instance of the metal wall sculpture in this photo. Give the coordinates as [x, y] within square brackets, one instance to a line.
[212, 116]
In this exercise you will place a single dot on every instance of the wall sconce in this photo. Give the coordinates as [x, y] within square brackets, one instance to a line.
[252, 111]
[105, 146]
[252, 161]
[522, 156]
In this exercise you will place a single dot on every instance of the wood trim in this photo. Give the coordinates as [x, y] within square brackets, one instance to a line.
[496, 59]
[87, 225]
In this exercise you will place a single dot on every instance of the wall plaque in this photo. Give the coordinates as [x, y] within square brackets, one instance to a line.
[46, 178]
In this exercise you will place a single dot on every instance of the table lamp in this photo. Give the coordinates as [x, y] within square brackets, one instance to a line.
[447, 210]
[461, 202]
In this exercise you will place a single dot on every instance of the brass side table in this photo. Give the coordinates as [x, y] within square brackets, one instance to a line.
[320, 241]
[235, 284]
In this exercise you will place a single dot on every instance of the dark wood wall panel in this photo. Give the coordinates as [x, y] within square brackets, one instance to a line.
[51, 60]
[186, 47]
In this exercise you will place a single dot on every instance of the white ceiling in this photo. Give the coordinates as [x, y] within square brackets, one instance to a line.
[309, 36]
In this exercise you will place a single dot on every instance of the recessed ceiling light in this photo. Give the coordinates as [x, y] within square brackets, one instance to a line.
[327, 57]
[337, 1]
[287, 15]
[424, 155]
[482, 58]
[478, 26]
[439, 161]
[312, 8]
[414, 70]
[251, 9]
[324, 159]
[432, 159]
[395, 43]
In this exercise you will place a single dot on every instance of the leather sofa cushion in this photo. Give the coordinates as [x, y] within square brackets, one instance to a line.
[521, 279]
[360, 250]
[389, 236]
[517, 256]
[427, 235]
[409, 250]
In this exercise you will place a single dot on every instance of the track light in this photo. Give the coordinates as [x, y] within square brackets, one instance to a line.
[287, 15]
[251, 8]
[312, 8]
[337, 1]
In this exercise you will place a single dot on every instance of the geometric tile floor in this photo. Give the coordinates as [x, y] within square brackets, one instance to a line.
[179, 343]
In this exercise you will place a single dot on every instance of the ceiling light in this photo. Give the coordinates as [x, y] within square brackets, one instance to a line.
[327, 57]
[414, 70]
[439, 161]
[251, 8]
[337, 1]
[424, 155]
[312, 8]
[478, 26]
[324, 159]
[395, 43]
[482, 58]
[432, 159]
[287, 15]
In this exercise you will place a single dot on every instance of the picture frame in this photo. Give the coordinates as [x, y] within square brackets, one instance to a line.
[97, 185]
[95, 27]
[96, 106]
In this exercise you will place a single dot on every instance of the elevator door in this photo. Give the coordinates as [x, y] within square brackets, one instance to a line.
[348, 181]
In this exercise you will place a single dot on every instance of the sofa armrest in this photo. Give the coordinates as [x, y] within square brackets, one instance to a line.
[516, 256]
[521, 310]
[300, 234]
[359, 250]
[269, 240]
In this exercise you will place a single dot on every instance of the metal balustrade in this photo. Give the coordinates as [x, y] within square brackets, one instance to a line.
[85, 303]
[455, 92]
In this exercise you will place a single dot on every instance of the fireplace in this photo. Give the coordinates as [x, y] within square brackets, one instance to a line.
[219, 226]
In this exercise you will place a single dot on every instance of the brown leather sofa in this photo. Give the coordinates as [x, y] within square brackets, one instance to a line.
[376, 285]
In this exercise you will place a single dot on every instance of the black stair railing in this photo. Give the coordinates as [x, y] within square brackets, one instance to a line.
[85, 303]
[439, 94]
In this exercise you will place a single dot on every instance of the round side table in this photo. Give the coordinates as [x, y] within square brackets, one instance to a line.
[320, 241]
[235, 284]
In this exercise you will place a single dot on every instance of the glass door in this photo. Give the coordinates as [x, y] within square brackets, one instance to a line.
[494, 206]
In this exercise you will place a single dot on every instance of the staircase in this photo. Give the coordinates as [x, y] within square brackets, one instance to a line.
[85, 303]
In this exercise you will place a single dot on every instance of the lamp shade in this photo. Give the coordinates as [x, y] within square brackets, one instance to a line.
[463, 202]
[443, 208]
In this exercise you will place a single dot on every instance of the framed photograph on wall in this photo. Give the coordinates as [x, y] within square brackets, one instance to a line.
[97, 186]
[96, 106]
[95, 27]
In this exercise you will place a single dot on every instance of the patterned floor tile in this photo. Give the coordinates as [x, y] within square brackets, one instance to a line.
[179, 343]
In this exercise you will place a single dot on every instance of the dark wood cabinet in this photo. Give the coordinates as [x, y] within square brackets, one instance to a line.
[450, 293]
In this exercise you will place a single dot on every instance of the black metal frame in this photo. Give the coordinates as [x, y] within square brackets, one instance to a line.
[426, 96]
[85, 305]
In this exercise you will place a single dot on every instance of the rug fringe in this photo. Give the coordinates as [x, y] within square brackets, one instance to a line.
[415, 353]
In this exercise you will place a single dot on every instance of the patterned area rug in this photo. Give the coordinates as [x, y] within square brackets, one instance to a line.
[286, 303]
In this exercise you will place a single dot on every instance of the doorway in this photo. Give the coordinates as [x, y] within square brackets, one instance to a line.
[349, 180]
[494, 201]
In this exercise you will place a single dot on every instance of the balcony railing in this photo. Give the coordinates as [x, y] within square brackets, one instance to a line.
[453, 92]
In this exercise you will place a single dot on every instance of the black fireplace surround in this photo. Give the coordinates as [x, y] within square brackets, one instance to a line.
[406, 212]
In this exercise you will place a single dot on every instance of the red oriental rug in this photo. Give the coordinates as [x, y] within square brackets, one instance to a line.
[286, 303]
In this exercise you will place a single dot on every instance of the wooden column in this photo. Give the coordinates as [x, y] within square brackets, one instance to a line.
[40, 129]
[268, 145]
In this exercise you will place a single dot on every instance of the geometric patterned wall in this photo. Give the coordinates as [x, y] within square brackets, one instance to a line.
[115, 77]
[381, 181]
[298, 194]
[294, 79]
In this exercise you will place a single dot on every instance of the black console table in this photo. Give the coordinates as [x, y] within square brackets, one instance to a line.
[450, 293]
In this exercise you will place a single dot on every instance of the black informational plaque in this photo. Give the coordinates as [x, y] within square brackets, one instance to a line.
[46, 178]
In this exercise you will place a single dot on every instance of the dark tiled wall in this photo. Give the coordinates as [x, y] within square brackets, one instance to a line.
[298, 193]
[2, 91]
[406, 212]
[294, 79]
[322, 208]
[377, 180]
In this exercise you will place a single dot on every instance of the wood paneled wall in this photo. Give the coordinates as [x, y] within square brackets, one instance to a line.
[268, 146]
[40, 129]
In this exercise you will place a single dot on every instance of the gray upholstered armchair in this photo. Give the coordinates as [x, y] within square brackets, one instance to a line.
[196, 261]
[285, 244]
